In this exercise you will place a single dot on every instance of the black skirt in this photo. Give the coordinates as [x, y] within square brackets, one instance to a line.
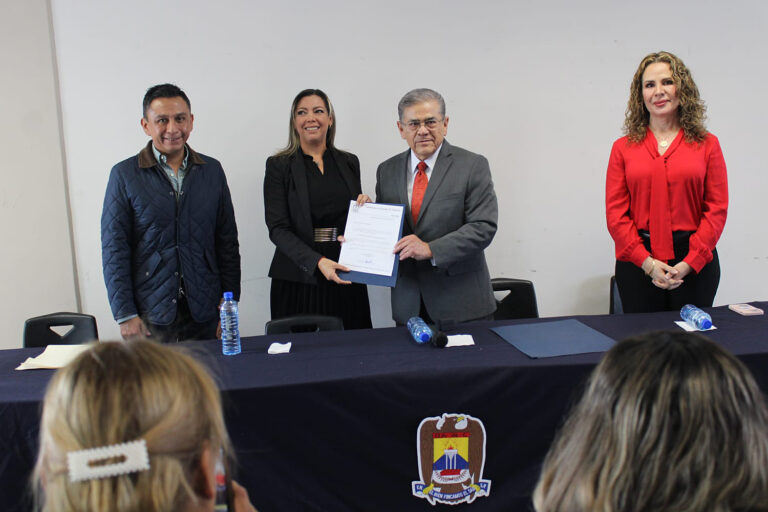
[348, 302]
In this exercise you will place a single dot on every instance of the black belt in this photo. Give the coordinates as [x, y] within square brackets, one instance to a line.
[676, 235]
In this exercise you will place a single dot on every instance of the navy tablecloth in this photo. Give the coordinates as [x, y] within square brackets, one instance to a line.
[332, 426]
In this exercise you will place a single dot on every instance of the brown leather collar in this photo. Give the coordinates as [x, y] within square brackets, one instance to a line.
[147, 157]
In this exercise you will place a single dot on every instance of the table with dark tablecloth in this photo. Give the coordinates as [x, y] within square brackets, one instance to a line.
[332, 426]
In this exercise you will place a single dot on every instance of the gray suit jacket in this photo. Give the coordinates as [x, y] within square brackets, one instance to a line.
[458, 220]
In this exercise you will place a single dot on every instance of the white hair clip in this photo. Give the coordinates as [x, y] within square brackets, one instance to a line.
[117, 459]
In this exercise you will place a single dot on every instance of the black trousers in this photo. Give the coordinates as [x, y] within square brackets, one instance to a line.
[183, 327]
[639, 295]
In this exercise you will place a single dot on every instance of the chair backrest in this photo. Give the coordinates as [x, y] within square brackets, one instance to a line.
[38, 333]
[520, 302]
[615, 307]
[304, 323]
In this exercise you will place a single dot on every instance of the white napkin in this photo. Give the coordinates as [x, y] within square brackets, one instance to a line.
[689, 327]
[460, 340]
[279, 348]
[54, 356]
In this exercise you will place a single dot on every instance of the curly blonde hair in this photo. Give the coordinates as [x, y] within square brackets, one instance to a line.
[691, 112]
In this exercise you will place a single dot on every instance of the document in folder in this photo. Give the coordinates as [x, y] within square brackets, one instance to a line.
[369, 238]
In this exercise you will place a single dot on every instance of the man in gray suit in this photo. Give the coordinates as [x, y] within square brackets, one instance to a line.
[451, 216]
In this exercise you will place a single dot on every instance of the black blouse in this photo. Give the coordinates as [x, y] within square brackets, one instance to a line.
[329, 199]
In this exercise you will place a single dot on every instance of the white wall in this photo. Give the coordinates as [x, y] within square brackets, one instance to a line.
[538, 87]
[36, 261]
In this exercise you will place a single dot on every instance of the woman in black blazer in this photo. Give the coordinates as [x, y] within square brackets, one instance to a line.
[307, 189]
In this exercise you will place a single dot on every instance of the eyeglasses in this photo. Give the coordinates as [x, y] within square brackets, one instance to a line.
[430, 123]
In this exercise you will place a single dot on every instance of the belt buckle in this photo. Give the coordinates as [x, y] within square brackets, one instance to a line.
[325, 234]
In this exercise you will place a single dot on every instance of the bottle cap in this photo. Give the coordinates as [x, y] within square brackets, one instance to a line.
[227, 295]
[425, 337]
[706, 323]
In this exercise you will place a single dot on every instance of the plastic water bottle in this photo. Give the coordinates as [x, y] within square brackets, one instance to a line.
[419, 329]
[696, 317]
[230, 331]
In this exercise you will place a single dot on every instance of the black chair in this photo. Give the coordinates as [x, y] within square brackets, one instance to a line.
[304, 323]
[520, 302]
[38, 333]
[615, 307]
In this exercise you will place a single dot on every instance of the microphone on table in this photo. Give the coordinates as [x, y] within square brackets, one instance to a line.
[440, 339]
[443, 325]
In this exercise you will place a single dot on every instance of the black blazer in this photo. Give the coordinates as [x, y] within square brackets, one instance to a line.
[286, 211]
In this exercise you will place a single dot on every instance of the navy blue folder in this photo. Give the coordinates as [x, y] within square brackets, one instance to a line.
[557, 338]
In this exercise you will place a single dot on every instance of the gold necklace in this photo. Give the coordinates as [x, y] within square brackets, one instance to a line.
[663, 143]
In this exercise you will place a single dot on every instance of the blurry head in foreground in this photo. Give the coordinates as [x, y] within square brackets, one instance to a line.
[132, 392]
[669, 421]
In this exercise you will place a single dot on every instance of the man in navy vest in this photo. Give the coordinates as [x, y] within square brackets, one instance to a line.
[168, 233]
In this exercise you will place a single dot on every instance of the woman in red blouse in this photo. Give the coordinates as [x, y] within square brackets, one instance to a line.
[666, 192]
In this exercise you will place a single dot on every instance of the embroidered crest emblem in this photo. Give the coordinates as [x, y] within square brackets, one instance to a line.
[451, 454]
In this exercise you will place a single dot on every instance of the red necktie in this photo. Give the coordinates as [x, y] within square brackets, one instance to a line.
[419, 186]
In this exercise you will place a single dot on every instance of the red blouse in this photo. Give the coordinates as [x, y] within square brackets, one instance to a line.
[697, 198]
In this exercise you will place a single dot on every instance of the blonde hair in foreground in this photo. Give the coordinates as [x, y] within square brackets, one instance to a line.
[669, 422]
[119, 392]
[691, 112]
